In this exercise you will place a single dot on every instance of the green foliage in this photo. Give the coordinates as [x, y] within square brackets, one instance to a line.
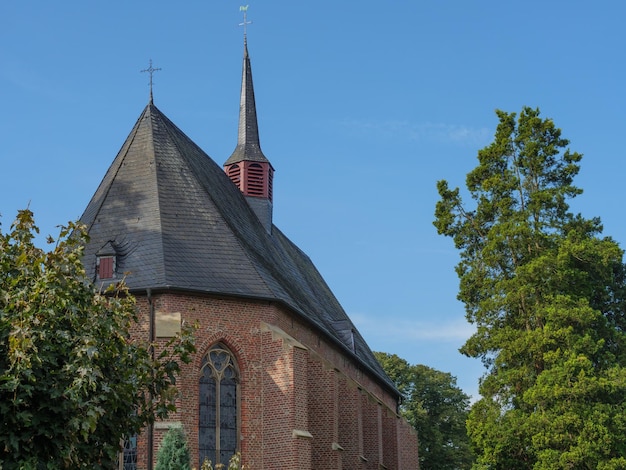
[72, 383]
[547, 295]
[436, 408]
[174, 453]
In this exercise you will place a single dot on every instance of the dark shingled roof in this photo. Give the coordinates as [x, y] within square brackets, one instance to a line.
[176, 221]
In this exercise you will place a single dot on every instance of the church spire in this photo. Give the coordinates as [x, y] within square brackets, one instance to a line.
[247, 167]
[248, 144]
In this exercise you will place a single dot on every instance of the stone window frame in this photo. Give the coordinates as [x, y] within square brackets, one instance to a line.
[218, 371]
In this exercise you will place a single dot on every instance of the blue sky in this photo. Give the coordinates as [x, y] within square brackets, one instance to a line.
[362, 107]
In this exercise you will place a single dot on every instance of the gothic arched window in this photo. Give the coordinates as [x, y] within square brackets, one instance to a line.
[218, 432]
[128, 457]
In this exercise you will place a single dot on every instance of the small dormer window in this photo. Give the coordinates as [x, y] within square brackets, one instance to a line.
[106, 267]
[106, 261]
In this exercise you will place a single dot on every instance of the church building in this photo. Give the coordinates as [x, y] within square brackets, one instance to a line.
[280, 374]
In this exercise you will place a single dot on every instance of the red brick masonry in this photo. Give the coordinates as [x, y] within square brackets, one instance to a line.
[304, 403]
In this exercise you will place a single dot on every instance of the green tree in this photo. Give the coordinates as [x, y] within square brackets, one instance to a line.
[174, 453]
[72, 382]
[436, 408]
[547, 296]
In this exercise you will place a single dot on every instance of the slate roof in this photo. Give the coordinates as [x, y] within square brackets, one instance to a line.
[176, 221]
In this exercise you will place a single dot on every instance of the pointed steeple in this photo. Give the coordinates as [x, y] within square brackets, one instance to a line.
[247, 167]
[248, 143]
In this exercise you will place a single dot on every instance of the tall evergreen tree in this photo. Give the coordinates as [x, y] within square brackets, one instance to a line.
[547, 295]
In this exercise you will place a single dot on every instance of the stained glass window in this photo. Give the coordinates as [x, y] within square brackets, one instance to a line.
[218, 427]
[128, 458]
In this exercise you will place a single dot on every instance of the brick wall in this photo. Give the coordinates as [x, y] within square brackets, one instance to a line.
[278, 400]
[370, 410]
[350, 424]
[390, 438]
[407, 446]
[304, 403]
[323, 414]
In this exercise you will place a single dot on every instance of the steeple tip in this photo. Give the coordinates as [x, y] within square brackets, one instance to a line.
[245, 23]
[248, 144]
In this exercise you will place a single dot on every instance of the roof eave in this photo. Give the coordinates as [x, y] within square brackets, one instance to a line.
[186, 290]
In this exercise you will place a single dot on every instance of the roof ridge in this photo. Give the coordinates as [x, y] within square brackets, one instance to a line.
[176, 134]
[238, 236]
[124, 148]
[155, 113]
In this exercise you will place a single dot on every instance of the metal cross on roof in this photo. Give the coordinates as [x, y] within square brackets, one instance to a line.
[151, 71]
[245, 20]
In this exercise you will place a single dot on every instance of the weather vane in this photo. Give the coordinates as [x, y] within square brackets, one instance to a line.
[245, 20]
[151, 71]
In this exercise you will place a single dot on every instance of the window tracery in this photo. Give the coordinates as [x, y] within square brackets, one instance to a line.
[219, 397]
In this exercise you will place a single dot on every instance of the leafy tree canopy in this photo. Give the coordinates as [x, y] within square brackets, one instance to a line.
[72, 382]
[436, 408]
[547, 295]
